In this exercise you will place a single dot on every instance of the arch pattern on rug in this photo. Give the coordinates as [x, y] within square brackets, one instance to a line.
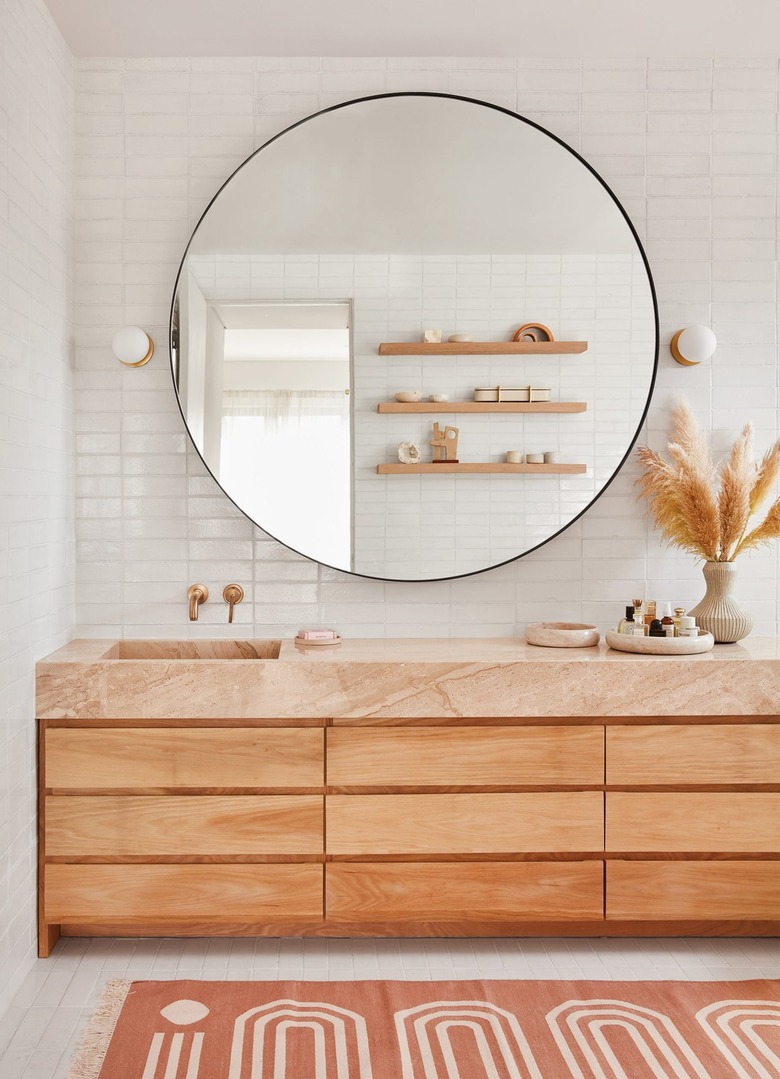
[733, 1027]
[424, 1037]
[340, 1041]
[579, 1027]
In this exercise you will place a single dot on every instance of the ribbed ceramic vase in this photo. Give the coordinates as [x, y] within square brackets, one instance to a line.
[718, 613]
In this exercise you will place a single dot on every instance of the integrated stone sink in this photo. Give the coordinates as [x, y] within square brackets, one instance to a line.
[254, 649]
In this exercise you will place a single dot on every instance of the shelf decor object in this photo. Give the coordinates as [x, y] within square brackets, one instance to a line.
[533, 331]
[473, 467]
[409, 453]
[482, 348]
[445, 444]
[711, 512]
[513, 394]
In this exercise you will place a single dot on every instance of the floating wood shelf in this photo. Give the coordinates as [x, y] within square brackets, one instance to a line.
[481, 406]
[481, 348]
[470, 467]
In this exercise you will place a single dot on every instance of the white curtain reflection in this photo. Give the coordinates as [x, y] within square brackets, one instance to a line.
[285, 459]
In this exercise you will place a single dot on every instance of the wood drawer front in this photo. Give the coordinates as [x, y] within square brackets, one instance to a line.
[463, 823]
[183, 825]
[747, 823]
[387, 891]
[81, 892]
[688, 754]
[693, 890]
[480, 756]
[183, 757]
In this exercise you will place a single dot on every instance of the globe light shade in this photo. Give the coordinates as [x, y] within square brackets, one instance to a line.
[132, 346]
[693, 345]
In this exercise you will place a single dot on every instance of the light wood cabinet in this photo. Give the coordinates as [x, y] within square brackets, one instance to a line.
[693, 891]
[464, 823]
[694, 754]
[165, 825]
[436, 757]
[186, 896]
[386, 892]
[180, 758]
[593, 826]
[692, 821]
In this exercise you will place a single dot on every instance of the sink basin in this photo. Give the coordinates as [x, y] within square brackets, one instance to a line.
[219, 649]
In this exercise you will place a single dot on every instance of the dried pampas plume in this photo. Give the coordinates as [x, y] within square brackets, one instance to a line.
[705, 509]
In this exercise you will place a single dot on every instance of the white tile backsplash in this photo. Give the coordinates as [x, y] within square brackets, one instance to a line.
[689, 145]
[37, 558]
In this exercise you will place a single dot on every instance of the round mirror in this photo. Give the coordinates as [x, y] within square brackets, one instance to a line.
[414, 336]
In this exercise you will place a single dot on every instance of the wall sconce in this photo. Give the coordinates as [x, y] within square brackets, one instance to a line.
[132, 346]
[693, 345]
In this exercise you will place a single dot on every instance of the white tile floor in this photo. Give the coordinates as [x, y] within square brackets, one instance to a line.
[40, 1032]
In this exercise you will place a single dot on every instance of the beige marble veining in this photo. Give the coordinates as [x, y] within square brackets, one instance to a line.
[404, 679]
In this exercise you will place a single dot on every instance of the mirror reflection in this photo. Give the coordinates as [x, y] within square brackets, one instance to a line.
[301, 313]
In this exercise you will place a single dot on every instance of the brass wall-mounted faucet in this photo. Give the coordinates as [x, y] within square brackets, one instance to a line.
[196, 594]
[232, 594]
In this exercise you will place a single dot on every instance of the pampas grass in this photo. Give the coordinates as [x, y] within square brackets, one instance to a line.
[707, 509]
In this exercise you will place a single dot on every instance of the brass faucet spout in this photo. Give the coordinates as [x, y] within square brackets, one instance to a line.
[196, 594]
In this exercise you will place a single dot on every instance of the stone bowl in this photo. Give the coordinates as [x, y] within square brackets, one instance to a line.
[660, 646]
[563, 635]
[408, 397]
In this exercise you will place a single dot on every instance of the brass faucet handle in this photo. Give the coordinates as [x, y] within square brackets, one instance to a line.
[232, 594]
[196, 594]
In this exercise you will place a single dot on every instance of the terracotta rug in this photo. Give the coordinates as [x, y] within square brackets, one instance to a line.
[434, 1030]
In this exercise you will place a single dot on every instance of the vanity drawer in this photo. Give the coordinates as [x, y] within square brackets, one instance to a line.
[478, 756]
[693, 890]
[435, 891]
[183, 757]
[690, 754]
[748, 823]
[79, 826]
[463, 823]
[76, 893]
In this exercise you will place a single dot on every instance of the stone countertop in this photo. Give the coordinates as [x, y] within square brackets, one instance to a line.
[402, 679]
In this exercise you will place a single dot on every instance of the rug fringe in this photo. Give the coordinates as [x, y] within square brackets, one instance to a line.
[94, 1043]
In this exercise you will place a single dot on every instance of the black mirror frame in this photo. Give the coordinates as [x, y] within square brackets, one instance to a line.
[531, 123]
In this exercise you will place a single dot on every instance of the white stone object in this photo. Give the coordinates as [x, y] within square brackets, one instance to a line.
[660, 646]
[563, 634]
[409, 453]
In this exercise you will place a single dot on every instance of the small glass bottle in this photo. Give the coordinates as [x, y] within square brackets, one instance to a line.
[656, 628]
[678, 613]
[667, 620]
[627, 624]
[650, 611]
[639, 610]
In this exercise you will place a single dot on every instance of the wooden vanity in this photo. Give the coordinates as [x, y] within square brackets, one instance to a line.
[415, 814]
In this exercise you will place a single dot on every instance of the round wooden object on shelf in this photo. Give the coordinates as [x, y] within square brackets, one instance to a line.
[533, 331]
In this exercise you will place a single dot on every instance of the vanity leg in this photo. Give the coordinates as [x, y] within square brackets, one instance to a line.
[48, 935]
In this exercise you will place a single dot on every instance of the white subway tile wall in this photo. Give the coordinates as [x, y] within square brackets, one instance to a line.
[37, 557]
[689, 146]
